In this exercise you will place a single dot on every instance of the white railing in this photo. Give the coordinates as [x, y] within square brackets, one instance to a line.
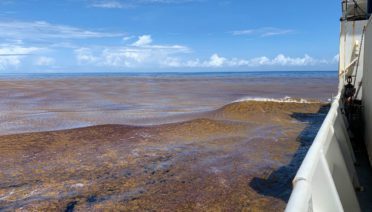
[327, 176]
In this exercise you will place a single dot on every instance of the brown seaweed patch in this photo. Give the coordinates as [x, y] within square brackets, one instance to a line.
[202, 164]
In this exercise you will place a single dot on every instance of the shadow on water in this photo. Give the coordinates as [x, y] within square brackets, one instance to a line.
[279, 183]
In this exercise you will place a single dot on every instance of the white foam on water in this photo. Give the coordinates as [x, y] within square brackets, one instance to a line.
[285, 99]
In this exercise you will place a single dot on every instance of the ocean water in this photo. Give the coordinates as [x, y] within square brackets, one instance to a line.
[260, 74]
[157, 142]
[41, 102]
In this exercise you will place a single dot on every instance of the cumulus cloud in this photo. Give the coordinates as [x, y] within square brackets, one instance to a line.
[44, 61]
[125, 57]
[279, 60]
[139, 56]
[85, 56]
[216, 61]
[262, 32]
[289, 61]
[142, 53]
[143, 40]
[11, 55]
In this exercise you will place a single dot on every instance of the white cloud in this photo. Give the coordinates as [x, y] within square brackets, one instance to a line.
[120, 4]
[126, 38]
[85, 55]
[283, 60]
[216, 61]
[11, 55]
[44, 61]
[141, 53]
[243, 32]
[263, 32]
[125, 57]
[259, 61]
[279, 60]
[149, 56]
[110, 5]
[43, 30]
[171, 62]
[336, 58]
[143, 40]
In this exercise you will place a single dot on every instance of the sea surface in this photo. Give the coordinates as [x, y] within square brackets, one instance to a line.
[157, 142]
[41, 102]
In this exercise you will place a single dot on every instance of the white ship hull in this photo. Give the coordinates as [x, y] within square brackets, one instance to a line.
[327, 179]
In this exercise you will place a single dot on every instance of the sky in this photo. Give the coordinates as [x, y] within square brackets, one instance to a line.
[168, 35]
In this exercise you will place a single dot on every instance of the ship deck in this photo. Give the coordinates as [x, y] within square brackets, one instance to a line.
[364, 171]
[363, 167]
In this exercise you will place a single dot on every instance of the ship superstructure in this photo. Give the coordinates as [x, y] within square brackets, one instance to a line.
[328, 179]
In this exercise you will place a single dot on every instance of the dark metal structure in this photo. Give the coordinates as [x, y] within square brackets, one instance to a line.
[354, 10]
